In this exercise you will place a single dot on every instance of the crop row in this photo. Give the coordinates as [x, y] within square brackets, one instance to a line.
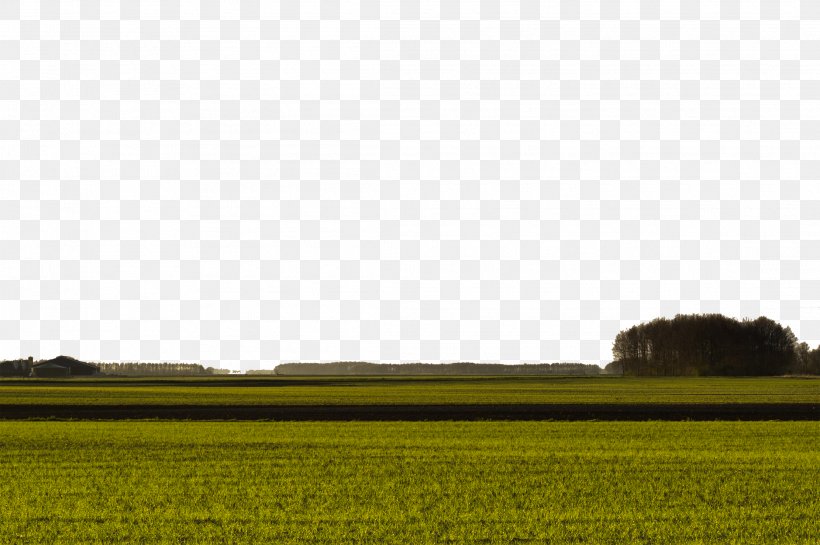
[391, 391]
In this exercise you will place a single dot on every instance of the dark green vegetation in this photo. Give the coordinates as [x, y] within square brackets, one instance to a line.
[711, 344]
[359, 368]
[452, 482]
[406, 390]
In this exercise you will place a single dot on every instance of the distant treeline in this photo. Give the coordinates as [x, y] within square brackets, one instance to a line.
[711, 344]
[22, 368]
[462, 368]
[131, 369]
[688, 344]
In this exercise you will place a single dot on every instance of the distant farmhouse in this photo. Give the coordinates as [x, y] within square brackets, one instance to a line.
[63, 366]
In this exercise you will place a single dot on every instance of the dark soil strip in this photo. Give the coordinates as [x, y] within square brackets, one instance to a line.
[578, 411]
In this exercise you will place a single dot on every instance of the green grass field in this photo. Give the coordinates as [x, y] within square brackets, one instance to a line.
[407, 483]
[409, 390]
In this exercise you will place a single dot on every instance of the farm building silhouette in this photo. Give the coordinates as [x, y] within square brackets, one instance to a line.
[63, 366]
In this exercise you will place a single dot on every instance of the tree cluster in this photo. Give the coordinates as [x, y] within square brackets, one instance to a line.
[808, 360]
[141, 369]
[15, 368]
[711, 344]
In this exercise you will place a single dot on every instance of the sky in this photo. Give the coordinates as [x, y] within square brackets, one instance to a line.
[241, 184]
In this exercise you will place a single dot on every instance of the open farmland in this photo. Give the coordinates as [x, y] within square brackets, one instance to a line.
[406, 390]
[414, 398]
[446, 482]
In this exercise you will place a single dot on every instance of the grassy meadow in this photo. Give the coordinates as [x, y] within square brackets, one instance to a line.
[401, 482]
[406, 390]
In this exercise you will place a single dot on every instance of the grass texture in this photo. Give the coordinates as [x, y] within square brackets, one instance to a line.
[410, 483]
